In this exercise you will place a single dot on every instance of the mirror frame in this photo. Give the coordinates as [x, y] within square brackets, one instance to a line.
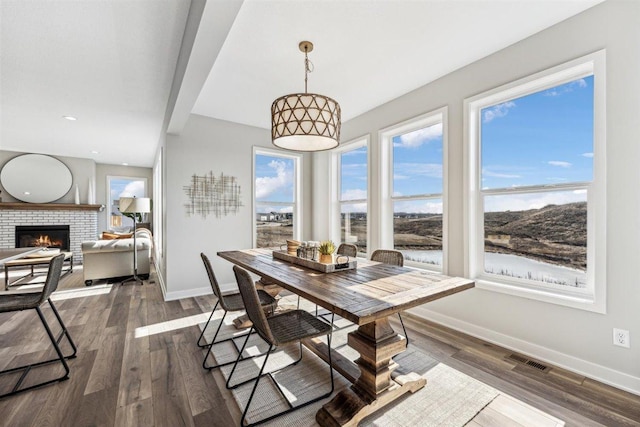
[36, 178]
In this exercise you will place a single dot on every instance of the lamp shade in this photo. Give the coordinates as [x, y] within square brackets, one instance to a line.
[305, 122]
[135, 204]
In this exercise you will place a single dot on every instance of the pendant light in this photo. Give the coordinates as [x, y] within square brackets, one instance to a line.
[305, 121]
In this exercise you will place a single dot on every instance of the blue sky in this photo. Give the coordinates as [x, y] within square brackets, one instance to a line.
[542, 138]
[417, 162]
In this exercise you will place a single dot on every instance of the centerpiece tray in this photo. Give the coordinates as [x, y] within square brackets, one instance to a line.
[318, 266]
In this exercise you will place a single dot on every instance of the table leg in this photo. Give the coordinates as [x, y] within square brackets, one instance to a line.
[377, 343]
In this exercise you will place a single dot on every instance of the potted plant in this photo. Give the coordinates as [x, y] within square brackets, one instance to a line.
[326, 249]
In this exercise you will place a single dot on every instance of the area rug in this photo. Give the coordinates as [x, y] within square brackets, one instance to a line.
[450, 397]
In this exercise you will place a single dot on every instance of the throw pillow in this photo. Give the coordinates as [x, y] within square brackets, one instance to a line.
[113, 236]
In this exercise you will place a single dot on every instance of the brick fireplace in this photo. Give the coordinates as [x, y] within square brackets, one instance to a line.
[81, 219]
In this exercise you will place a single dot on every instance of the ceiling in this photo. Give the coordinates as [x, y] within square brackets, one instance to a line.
[111, 64]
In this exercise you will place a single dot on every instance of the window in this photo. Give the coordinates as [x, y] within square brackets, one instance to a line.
[538, 185]
[415, 195]
[123, 186]
[276, 195]
[352, 169]
[158, 196]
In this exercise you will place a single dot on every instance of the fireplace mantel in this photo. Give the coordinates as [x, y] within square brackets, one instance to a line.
[51, 206]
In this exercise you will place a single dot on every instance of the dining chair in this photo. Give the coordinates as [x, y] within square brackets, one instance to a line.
[277, 330]
[348, 249]
[11, 301]
[391, 257]
[228, 302]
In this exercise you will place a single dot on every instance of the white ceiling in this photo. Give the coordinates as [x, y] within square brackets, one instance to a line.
[108, 63]
[111, 63]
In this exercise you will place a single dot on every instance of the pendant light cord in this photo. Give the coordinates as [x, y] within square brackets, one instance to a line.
[308, 68]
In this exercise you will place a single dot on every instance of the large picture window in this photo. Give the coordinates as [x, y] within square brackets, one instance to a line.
[276, 184]
[416, 170]
[537, 183]
[123, 186]
[352, 166]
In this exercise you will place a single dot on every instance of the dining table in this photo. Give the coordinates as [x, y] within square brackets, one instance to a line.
[366, 296]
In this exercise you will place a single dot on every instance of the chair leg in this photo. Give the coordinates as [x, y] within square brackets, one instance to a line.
[206, 326]
[213, 341]
[255, 386]
[64, 332]
[27, 368]
[291, 407]
[404, 330]
[235, 365]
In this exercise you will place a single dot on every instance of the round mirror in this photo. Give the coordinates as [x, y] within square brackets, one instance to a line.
[36, 178]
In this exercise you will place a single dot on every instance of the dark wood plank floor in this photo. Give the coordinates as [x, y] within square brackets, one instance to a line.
[138, 365]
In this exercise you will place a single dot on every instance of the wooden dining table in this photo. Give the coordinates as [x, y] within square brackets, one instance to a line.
[366, 296]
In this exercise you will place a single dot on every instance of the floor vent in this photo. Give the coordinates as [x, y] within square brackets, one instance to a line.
[534, 364]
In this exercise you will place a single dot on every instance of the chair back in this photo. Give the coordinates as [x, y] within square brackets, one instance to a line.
[347, 249]
[212, 278]
[53, 277]
[252, 304]
[388, 256]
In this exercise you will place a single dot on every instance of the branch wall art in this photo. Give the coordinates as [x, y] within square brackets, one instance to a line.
[210, 195]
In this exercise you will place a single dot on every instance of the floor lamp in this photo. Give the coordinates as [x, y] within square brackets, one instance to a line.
[134, 205]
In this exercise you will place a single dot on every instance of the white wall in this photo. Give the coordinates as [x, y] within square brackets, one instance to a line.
[205, 145]
[576, 339]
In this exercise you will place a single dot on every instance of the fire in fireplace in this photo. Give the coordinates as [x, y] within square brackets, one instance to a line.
[47, 236]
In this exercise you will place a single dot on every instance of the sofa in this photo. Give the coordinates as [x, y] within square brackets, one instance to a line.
[105, 259]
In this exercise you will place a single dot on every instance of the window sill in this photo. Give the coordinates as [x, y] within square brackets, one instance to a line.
[587, 302]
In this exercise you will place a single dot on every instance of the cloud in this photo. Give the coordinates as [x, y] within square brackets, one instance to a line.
[267, 185]
[276, 209]
[418, 137]
[559, 163]
[133, 188]
[354, 169]
[356, 152]
[486, 172]
[522, 202]
[432, 170]
[566, 88]
[418, 206]
[589, 155]
[354, 194]
[355, 207]
[499, 110]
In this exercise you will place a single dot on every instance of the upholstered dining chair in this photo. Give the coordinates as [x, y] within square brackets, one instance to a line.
[348, 249]
[276, 330]
[392, 257]
[228, 302]
[18, 301]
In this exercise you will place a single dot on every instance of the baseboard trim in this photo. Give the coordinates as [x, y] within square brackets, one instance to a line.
[187, 293]
[592, 370]
[160, 278]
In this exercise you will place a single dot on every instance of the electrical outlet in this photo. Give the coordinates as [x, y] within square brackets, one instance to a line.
[621, 338]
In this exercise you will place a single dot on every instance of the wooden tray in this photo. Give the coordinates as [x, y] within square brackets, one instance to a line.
[324, 268]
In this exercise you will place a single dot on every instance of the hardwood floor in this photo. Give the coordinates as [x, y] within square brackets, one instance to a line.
[138, 365]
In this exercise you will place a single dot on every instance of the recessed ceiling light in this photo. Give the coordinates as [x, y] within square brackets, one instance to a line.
[125, 164]
[69, 118]
[95, 152]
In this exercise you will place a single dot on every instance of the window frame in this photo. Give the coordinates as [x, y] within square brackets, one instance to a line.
[297, 190]
[109, 204]
[385, 136]
[336, 188]
[594, 297]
